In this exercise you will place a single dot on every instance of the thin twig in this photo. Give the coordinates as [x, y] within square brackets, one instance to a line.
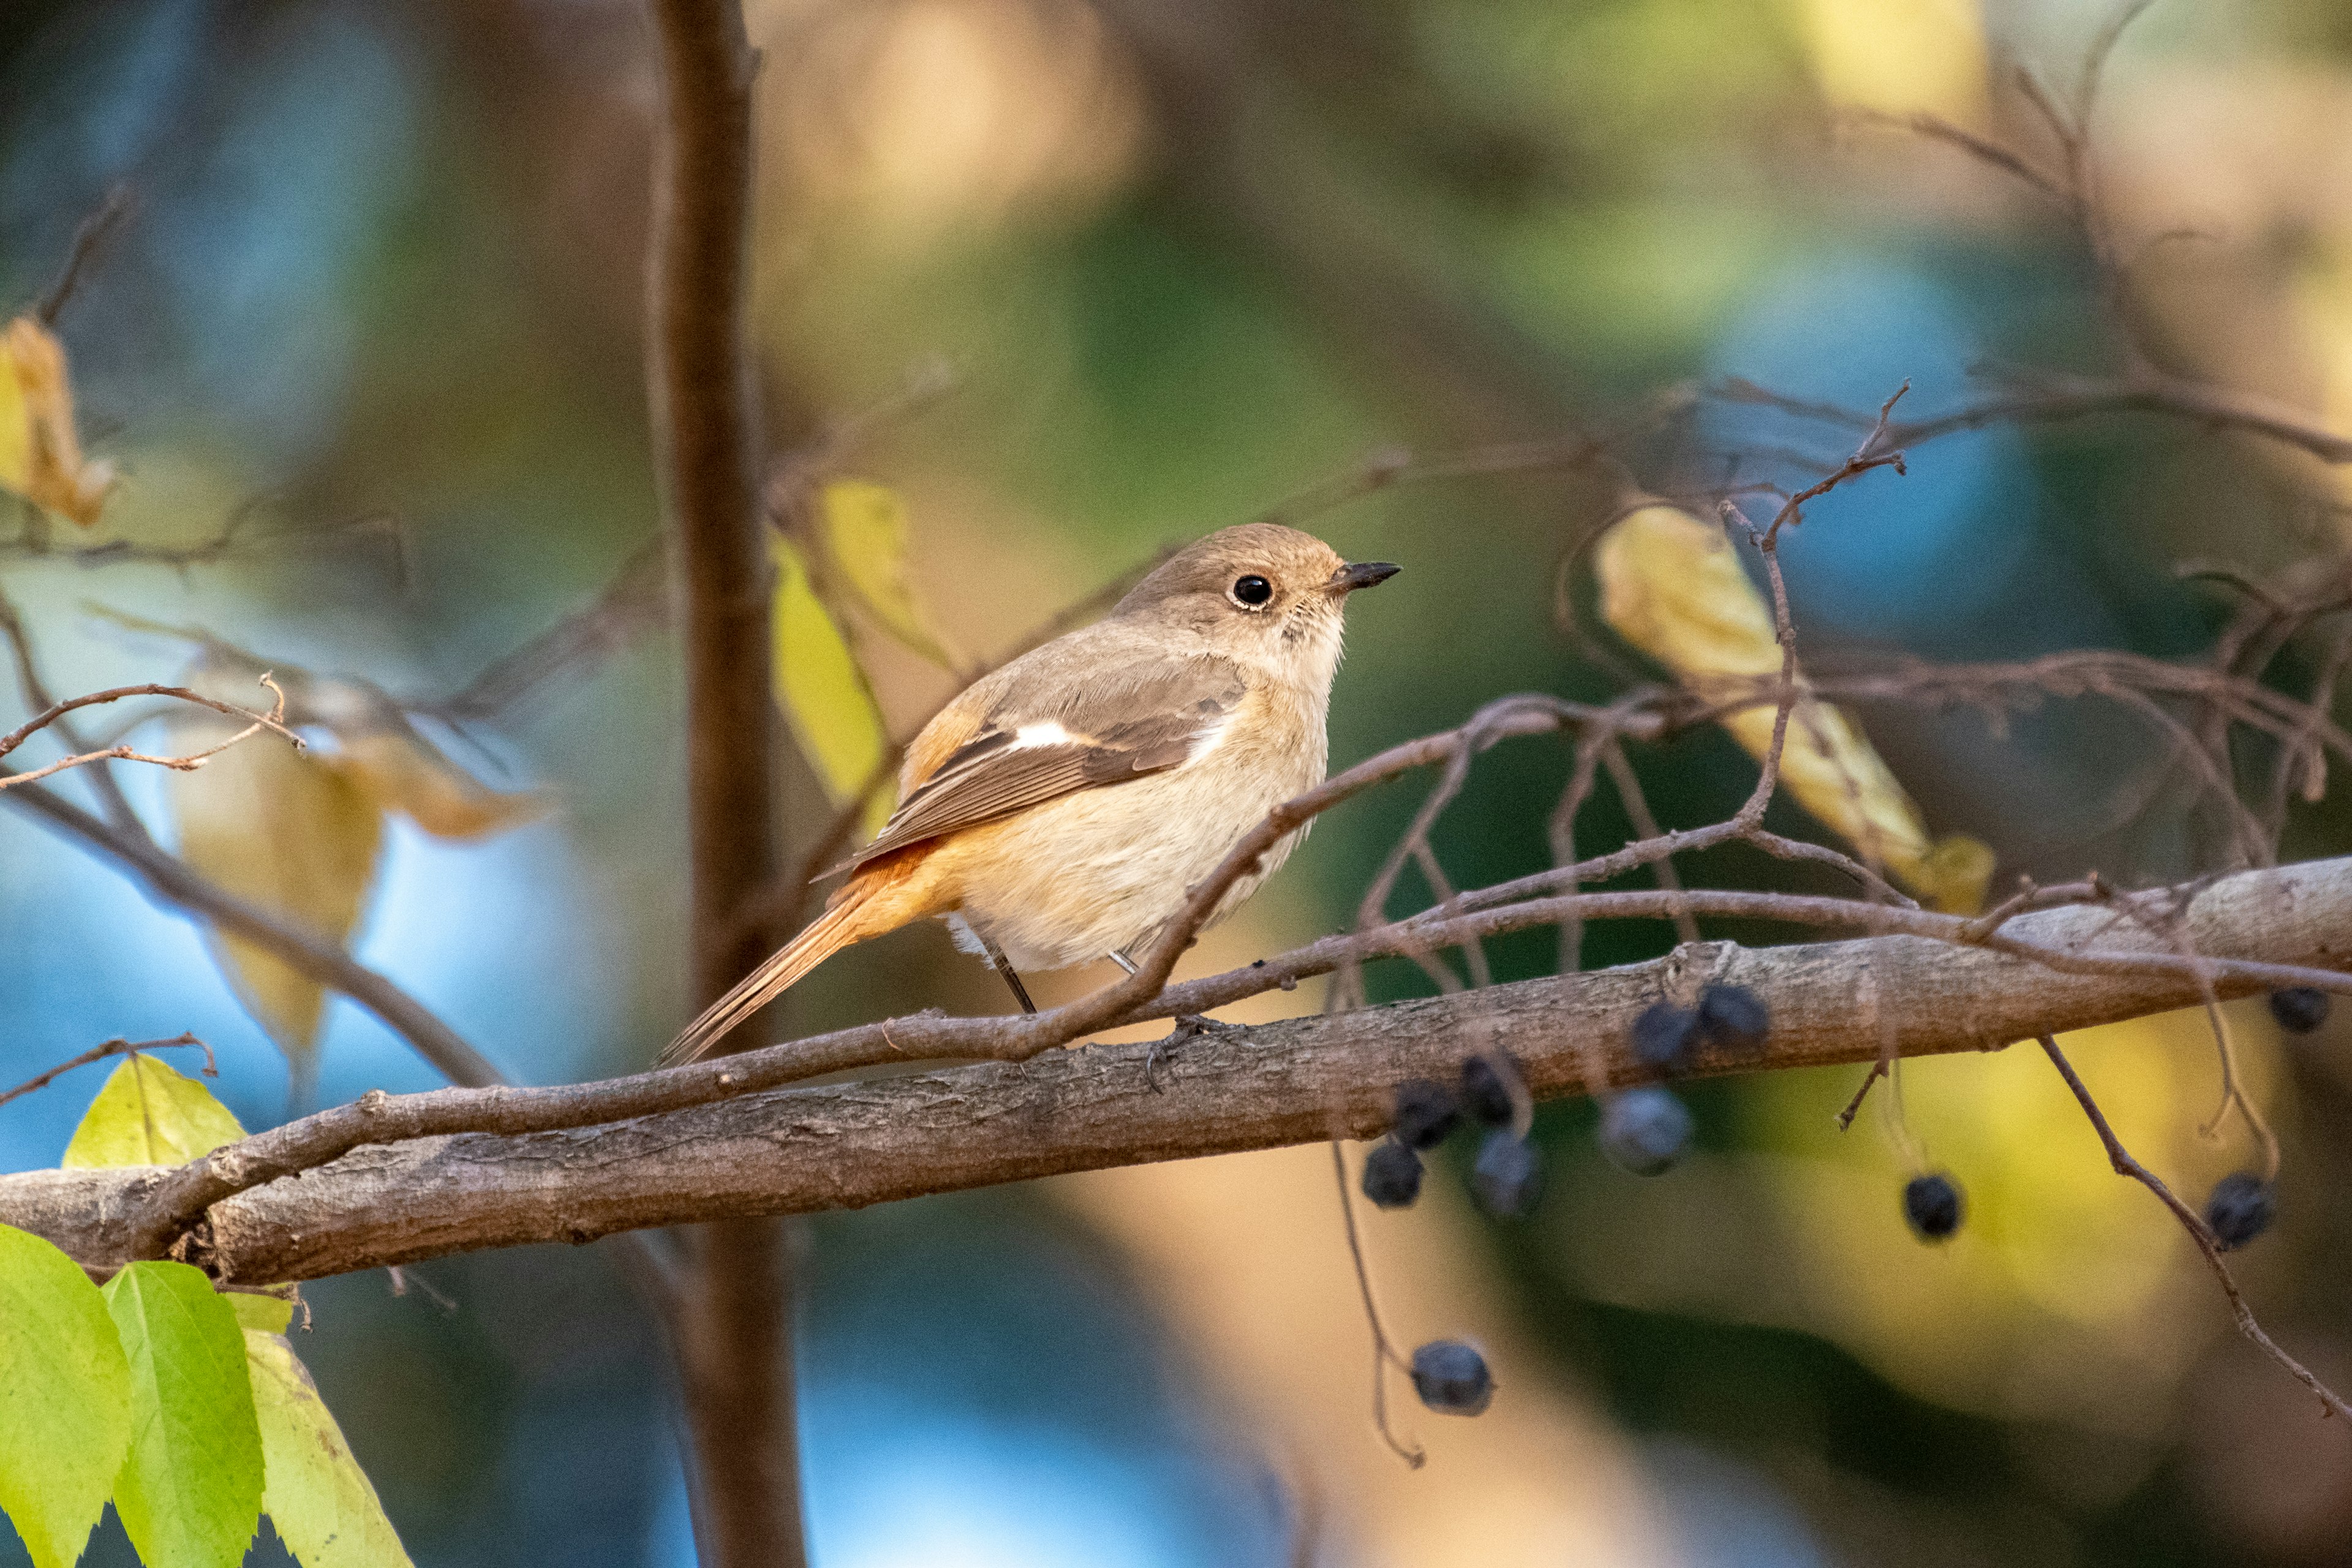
[87, 239]
[116, 1047]
[2331, 1403]
[273, 721]
[1384, 1355]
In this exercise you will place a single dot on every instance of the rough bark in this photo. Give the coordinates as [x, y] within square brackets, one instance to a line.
[845, 1145]
[731, 1330]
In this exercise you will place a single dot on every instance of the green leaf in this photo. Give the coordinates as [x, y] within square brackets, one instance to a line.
[189, 1494]
[822, 692]
[270, 1314]
[149, 1114]
[866, 529]
[65, 1399]
[319, 1499]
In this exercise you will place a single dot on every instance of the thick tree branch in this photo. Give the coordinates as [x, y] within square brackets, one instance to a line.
[845, 1145]
[733, 1331]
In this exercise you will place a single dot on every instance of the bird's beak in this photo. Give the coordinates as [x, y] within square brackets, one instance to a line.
[1360, 575]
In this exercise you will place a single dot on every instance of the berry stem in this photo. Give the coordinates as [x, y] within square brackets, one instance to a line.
[1384, 1355]
[2194, 1224]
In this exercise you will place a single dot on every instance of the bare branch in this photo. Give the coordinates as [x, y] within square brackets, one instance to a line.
[273, 721]
[2051, 398]
[115, 1047]
[87, 239]
[2331, 1403]
[633, 603]
[577, 1161]
[732, 1335]
[1936, 128]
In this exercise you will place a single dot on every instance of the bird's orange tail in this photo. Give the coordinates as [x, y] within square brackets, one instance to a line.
[881, 898]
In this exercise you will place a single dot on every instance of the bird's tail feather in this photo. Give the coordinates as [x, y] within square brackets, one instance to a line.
[855, 915]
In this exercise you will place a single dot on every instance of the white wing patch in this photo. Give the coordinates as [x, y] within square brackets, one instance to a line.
[1048, 734]
[1209, 739]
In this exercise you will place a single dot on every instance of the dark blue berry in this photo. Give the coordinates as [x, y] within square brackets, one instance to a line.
[1452, 1379]
[2241, 1208]
[1933, 1205]
[1391, 1175]
[1509, 1176]
[1664, 1035]
[1645, 1130]
[2299, 1009]
[1425, 1113]
[1487, 1092]
[1732, 1018]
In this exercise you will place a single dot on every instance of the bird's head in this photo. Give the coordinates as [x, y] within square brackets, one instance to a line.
[1262, 593]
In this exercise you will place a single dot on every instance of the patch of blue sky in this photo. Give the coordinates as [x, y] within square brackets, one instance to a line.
[1888, 556]
[269, 243]
[1723, 1514]
[98, 102]
[497, 937]
[894, 1482]
[261, 182]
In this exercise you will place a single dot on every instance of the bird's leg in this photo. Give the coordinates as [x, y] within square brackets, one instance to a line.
[998, 961]
[1121, 959]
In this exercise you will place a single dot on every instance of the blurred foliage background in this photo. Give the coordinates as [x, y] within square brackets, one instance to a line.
[381, 298]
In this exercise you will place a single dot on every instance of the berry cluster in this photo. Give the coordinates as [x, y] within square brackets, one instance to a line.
[1647, 1130]
[1507, 1175]
[2240, 1208]
[1450, 1376]
[1730, 1019]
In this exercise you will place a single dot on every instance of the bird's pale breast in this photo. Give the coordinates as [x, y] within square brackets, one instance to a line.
[1102, 870]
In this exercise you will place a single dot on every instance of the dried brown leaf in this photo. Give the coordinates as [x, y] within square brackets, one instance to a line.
[1674, 587]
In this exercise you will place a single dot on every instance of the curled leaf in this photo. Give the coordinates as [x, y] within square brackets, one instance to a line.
[298, 833]
[866, 533]
[148, 1113]
[293, 833]
[824, 693]
[399, 770]
[40, 453]
[1673, 587]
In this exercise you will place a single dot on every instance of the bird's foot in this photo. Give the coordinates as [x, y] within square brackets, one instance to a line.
[1161, 1059]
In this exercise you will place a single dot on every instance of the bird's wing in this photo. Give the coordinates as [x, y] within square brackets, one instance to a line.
[1061, 725]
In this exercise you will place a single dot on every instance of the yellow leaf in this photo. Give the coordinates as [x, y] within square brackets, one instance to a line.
[16, 432]
[377, 749]
[291, 833]
[149, 1114]
[318, 1499]
[1899, 56]
[399, 770]
[865, 530]
[1674, 587]
[824, 693]
[268, 1312]
[40, 456]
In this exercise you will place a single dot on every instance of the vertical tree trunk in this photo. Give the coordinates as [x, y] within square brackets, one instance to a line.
[733, 1330]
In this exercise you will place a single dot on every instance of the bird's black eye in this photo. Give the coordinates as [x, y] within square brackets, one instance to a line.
[1252, 591]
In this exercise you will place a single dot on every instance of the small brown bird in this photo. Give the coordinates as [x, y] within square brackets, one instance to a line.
[1058, 811]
